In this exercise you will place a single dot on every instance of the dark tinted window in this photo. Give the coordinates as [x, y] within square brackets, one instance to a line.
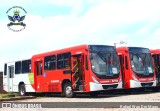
[18, 67]
[11, 71]
[63, 61]
[101, 48]
[50, 62]
[26, 66]
[5, 69]
[86, 62]
[39, 68]
[138, 50]
[126, 62]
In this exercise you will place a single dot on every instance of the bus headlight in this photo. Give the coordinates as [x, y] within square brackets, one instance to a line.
[120, 80]
[95, 80]
[135, 78]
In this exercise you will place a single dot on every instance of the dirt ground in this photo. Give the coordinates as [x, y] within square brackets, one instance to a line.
[143, 97]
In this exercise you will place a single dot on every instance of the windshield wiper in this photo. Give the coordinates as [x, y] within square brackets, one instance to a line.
[102, 56]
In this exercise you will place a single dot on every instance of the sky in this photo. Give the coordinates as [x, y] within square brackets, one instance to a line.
[57, 24]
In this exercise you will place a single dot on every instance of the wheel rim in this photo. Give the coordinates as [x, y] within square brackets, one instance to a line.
[68, 90]
[22, 91]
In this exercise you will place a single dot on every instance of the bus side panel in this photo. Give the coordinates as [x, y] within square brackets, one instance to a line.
[87, 73]
[127, 72]
[12, 81]
[23, 78]
[49, 80]
[52, 81]
[5, 83]
[87, 77]
[125, 69]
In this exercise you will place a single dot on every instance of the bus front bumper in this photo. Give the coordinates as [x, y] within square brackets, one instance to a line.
[137, 84]
[100, 87]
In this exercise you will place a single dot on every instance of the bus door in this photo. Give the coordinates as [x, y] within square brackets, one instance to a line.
[39, 75]
[157, 67]
[121, 58]
[78, 76]
[10, 76]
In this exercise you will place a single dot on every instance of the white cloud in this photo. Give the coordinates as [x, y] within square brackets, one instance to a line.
[157, 34]
[155, 38]
[121, 13]
[152, 42]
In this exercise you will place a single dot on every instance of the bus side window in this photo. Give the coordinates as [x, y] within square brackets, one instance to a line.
[50, 62]
[156, 63]
[126, 62]
[11, 71]
[39, 68]
[86, 62]
[67, 60]
[64, 61]
[158, 57]
[5, 69]
[26, 66]
[121, 59]
[18, 67]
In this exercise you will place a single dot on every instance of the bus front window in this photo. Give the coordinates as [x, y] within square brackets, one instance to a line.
[104, 64]
[141, 63]
[98, 65]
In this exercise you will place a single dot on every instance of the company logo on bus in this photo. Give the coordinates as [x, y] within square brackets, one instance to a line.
[109, 81]
[54, 81]
[16, 16]
[146, 79]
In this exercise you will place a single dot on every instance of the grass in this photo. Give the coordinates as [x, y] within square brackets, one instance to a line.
[8, 95]
[2, 95]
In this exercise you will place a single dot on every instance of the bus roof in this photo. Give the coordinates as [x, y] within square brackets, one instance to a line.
[17, 60]
[126, 48]
[155, 51]
[84, 46]
[61, 50]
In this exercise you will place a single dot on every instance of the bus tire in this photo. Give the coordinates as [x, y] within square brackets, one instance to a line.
[22, 90]
[68, 90]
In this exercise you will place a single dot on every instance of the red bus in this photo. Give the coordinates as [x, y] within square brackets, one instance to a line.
[156, 61]
[84, 68]
[136, 66]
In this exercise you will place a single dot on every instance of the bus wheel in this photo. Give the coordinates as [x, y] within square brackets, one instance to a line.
[68, 90]
[22, 90]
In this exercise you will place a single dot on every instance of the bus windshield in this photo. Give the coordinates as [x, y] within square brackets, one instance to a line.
[105, 64]
[141, 63]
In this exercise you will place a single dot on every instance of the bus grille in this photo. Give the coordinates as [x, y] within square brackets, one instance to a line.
[147, 84]
[109, 86]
